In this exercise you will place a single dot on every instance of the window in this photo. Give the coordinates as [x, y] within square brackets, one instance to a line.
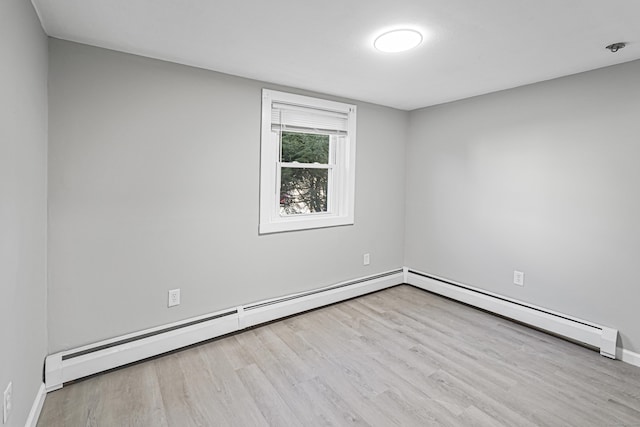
[307, 174]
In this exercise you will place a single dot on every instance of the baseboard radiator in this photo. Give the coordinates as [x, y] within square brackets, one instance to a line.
[81, 362]
[591, 334]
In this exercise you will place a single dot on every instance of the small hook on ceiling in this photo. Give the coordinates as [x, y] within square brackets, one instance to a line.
[616, 46]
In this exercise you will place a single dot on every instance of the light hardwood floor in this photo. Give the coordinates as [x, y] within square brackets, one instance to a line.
[401, 356]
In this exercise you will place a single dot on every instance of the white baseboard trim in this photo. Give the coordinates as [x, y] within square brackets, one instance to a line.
[599, 336]
[69, 366]
[629, 357]
[36, 408]
[104, 355]
[266, 311]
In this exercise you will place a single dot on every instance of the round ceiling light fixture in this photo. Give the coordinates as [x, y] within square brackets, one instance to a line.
[397, 40]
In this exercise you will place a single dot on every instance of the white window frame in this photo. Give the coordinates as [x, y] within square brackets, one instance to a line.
[341, 192]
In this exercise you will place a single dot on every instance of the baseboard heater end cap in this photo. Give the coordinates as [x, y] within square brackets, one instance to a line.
[53, 372]
[609, 342]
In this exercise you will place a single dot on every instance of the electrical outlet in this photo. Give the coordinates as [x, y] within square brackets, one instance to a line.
[518, 278]
[366, 259]
[6, 403]
[174, 297]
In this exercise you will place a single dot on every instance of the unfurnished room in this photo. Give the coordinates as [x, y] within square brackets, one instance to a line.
[287, 213]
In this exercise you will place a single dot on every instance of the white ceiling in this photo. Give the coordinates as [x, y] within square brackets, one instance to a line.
[472, 47]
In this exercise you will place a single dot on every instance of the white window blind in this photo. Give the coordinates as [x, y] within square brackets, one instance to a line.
[297, 118]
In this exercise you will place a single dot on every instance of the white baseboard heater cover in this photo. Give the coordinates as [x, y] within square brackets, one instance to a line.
[99, 357]
[589, 333]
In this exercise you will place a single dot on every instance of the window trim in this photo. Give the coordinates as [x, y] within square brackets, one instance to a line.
[342, 193]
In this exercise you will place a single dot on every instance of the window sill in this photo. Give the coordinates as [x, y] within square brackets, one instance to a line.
[304, 223]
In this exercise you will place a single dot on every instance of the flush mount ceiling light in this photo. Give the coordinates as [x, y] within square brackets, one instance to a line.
[397, 40]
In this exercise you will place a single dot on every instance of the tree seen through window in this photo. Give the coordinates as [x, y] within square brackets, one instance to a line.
[304, 189]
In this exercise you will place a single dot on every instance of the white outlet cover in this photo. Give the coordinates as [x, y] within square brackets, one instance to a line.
[366, 259]
[518, 278]
[174, 297]
[6, 402]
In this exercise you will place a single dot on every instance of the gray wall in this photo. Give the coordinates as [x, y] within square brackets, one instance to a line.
[153, 174]
[23, 156]
[153, 185]
[543, 179]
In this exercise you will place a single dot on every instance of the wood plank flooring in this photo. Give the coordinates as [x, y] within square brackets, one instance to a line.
[399, 357]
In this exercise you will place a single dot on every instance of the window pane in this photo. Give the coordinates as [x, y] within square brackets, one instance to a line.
[303, 190]
[305, 147]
